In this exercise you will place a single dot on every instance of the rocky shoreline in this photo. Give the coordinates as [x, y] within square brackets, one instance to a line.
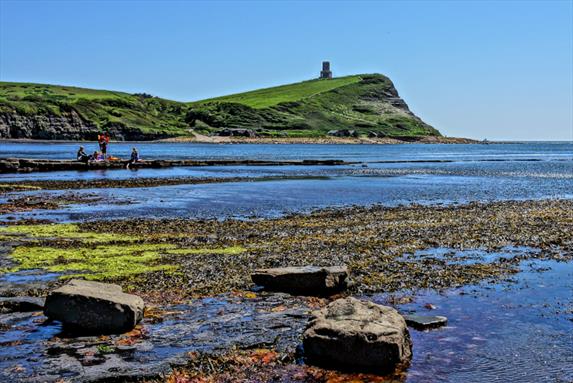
[379, 244]
[326, 140]
[206, 322]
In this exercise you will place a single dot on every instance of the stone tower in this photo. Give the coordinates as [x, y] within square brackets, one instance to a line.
[325, 72]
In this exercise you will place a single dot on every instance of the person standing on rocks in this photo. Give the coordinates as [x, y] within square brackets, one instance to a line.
[103, 141]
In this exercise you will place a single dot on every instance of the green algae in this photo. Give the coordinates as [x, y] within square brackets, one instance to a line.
[95, 256]
[17, 187]
[99, 262]
[62, 231]
[233, 250]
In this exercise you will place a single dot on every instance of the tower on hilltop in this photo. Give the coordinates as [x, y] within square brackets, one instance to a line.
[325, 72]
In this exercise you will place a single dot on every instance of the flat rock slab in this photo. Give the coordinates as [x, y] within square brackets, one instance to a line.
[306, 280]
[350, 334]
[12, 165]
[423, 322]
[93, 307]
[21, 304]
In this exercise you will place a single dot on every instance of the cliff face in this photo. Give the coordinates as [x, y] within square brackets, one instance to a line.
[46, 127]
[67, 126]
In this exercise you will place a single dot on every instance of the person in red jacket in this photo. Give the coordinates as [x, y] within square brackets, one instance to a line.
[103, 141]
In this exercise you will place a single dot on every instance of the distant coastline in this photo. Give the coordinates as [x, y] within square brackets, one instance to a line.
[282, 140]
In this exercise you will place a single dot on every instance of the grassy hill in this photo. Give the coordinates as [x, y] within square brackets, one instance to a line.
[264, 98]
[365, 103]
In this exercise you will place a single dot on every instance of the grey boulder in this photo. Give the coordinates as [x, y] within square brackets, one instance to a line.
[305, 280]
[93, 307]
[350, 334]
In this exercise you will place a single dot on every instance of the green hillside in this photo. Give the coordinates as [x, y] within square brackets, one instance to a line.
[365, 104]
[101, 108]
[263, 98]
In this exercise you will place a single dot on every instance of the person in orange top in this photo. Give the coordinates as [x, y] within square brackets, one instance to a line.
[103, 141]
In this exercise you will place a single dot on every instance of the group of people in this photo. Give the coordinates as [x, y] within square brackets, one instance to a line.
[101, 155]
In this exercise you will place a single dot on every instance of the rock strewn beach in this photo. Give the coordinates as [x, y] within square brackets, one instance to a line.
[196, 273]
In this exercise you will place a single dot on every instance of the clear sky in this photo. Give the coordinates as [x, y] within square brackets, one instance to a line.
[484, 69]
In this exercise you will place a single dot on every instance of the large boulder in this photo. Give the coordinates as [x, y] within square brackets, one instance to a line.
[93, 307]
[350, 334]
[305, 280]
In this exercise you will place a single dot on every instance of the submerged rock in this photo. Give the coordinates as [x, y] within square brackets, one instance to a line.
[423, 322]
[354, 335]
[306, 280]
[21, 304]
[94, 307]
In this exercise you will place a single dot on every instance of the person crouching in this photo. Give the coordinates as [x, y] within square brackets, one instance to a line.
[133, 158]
[82, 156]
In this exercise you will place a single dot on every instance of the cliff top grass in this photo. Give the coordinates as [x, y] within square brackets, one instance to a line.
[263, 98]
[11, 90]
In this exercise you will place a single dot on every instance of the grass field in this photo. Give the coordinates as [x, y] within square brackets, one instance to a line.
[264, 98]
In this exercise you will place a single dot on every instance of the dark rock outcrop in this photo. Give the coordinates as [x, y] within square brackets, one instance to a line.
[423, 322]
[66, 126]
[307, 280]
[350, 334]
[21, 304]
[93, 307]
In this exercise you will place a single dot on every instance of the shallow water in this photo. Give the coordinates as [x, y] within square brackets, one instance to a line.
[475, 173]
[389, 185]
[520, 331]
[368, 153]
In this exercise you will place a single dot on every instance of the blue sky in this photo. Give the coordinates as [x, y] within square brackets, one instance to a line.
[487, 69]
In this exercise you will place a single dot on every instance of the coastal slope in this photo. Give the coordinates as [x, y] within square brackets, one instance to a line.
[352, 106]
